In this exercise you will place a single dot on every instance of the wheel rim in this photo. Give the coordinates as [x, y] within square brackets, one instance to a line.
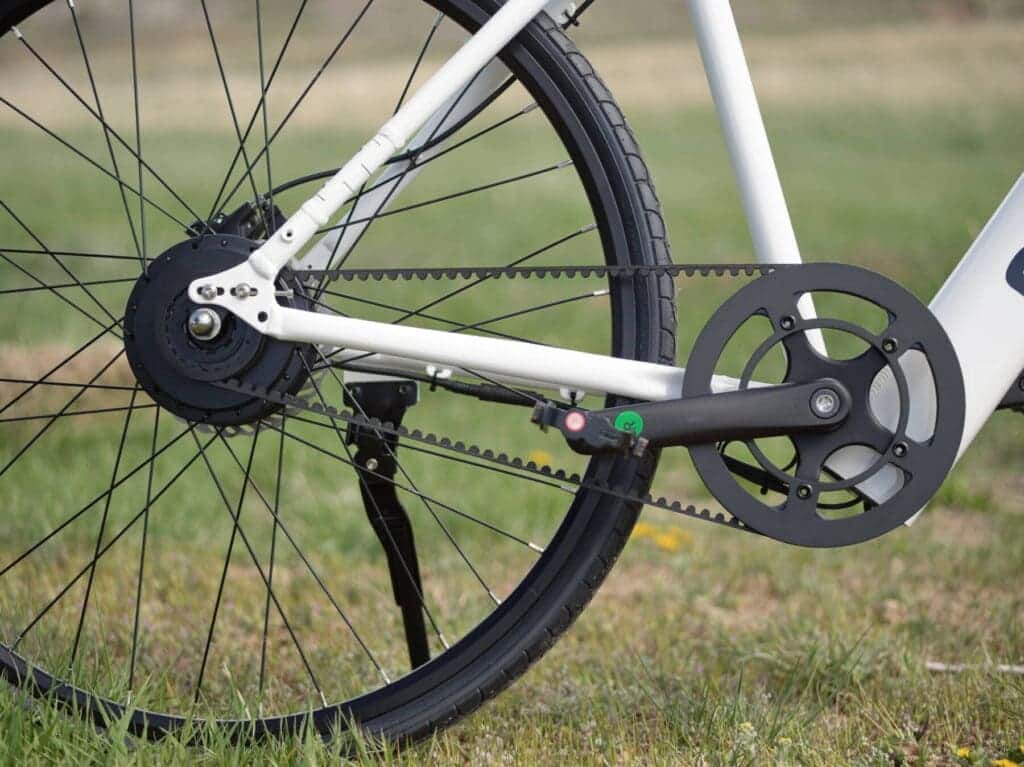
[211, 475]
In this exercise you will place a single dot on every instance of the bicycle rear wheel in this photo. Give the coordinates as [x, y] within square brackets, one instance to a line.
[161, 564]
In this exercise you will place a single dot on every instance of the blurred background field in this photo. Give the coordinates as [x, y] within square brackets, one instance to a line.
[898, 129]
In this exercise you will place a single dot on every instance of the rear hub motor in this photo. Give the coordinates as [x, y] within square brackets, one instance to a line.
[180, 351]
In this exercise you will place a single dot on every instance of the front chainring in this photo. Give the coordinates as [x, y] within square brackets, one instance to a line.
[895, 448]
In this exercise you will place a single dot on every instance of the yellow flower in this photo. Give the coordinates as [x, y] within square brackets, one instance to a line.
[668, 542]
[644, 530]
[1004, 763]
[541, 457]
[963, 752]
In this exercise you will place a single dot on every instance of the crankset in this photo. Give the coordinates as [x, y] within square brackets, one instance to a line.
[839, 435]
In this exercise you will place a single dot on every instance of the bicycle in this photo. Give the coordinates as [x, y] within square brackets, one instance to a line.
[246, 340]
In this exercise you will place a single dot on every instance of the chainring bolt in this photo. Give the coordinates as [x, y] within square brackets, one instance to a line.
[787, 323]
[900, 450]
[890, 346]
[804, 492]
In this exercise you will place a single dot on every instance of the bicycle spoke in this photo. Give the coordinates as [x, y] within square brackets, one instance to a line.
[405, 488]
[404, 310]
[298, 102]
[82, 511]
[135, 151]
[362, 481]
[231, 105]
[454, 196]
[64, 254]
[418, 62]
[252, 555]
[98, 411]
[67, 285]
[236, 526]
[419, 312]
[273, 555]
[63, 267]
[80, 350]
[398, 465]
[305, 560]
[84, 312]
[57, 415]
[102, 528]
[259, 106]
[113, 541]
[79, 153]
[142, 553]
[138, 137]
[106, 131]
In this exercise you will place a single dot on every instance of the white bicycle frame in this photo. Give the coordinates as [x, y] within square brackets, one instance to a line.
[980, 308]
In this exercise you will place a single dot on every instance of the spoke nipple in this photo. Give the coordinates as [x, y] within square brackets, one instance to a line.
[17, 33]
[787, 323]
[530, 107]
[535, 547]
[588, 228]
[901, 449]
[564, 164]
[890, 346]
[494, 597]
[443, 641]
[804, 492]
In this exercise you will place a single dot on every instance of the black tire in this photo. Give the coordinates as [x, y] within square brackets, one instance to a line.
[597, 526]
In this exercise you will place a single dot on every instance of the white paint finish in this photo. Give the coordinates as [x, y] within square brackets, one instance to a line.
[746, 138]
[984, 316]
[494, 357]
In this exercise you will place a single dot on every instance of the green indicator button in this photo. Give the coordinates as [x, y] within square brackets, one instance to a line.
[630, 421]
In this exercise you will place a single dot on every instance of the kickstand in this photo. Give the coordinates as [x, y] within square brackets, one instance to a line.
[376, 464]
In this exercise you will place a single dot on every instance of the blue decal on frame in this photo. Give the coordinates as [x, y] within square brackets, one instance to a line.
[1015, 274]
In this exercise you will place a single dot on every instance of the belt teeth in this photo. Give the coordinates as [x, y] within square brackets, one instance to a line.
[305, 399]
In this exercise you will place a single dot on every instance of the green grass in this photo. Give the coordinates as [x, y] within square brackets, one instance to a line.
[705, 647]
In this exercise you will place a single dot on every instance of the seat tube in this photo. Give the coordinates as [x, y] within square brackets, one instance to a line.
[746, 138]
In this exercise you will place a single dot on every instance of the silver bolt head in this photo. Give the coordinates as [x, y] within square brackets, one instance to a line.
[826, 403]
[204, 324]
[243, 291]
[372, 464]
[208, 292]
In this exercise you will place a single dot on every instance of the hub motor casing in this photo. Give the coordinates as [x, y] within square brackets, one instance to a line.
[180, 371]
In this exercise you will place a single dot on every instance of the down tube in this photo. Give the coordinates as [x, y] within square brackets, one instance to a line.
[981, 307]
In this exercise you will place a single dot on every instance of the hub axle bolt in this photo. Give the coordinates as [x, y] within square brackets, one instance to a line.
[204, 324]
[372, 464]
[826, 403]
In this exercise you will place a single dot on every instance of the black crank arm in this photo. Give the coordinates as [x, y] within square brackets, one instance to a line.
[771, 411]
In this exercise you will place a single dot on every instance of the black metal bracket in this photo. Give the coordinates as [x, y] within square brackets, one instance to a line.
[1014, 399]
[771, 411]
[376, 463]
